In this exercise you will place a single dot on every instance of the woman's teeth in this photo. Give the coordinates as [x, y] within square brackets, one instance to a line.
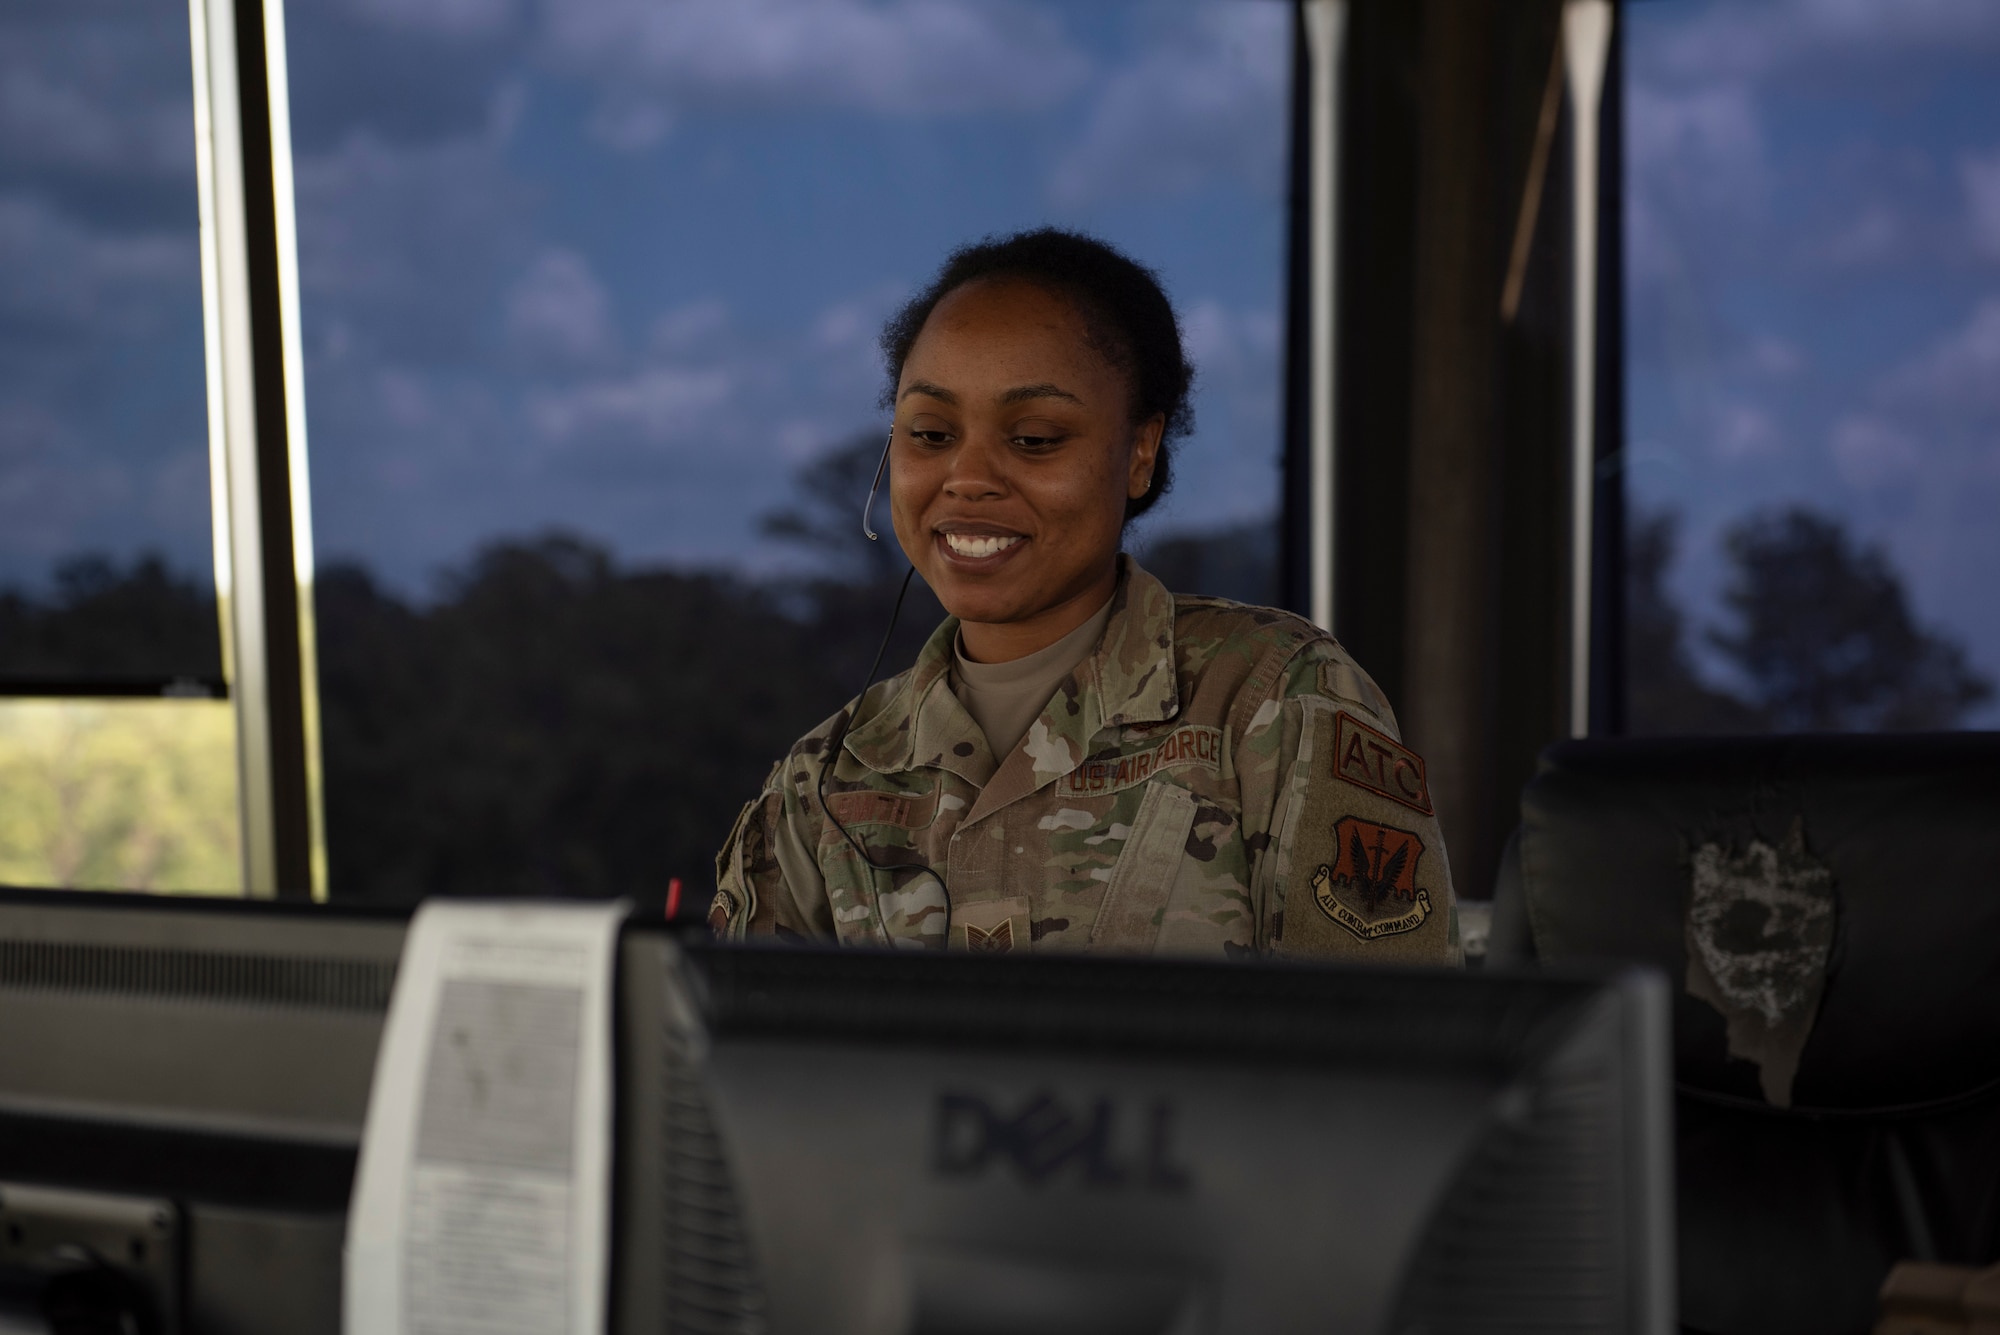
[965, 544]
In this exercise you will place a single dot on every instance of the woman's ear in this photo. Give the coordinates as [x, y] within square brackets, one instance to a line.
[1145, 455]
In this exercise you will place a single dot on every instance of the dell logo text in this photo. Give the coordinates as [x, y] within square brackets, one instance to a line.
[1101, 1144]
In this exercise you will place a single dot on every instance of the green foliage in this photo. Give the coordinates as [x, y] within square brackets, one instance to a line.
[103, 621]
[119, 795]
[553, 724]
[557, 726]
[1822, 638]
[1664, 693]
[1825, 637]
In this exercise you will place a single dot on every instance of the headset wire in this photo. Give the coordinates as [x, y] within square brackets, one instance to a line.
[833, 755]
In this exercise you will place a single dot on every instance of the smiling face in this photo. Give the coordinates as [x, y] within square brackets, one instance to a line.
[1014, 455]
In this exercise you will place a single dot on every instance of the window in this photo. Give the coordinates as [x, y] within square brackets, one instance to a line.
[1812, 214]
[590, 298]
[107, 591]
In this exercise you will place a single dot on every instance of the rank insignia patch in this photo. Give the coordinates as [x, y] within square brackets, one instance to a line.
[1371, 889]
[990, 941]
[1377, 762]
[991, 927]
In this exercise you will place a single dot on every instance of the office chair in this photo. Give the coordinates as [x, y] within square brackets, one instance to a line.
[1827, 909]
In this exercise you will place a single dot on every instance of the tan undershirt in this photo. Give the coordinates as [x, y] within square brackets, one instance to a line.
[1005, 699]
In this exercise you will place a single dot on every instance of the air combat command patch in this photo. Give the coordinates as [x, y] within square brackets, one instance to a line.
[1363, 869]
[1371, 887]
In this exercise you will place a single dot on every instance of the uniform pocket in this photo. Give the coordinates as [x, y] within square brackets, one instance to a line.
[1129, 920]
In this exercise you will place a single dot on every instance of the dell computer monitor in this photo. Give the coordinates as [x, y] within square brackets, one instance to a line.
[897, 1144]
[182, 1091]
[930, 1144]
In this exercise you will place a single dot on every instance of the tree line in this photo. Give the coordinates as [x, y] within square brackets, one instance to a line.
[551, 722]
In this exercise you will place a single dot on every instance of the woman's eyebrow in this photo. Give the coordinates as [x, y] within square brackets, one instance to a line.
[1022, 393]
[925, 387]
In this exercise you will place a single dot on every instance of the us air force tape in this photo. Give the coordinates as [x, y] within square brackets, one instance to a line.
[1366, 874]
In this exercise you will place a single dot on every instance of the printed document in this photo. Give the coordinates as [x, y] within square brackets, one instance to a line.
[482, 1202]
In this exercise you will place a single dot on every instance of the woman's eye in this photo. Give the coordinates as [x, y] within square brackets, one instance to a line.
[931, 436]
[1032, 443]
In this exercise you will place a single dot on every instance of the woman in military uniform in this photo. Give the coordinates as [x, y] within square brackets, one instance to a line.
[1080, 759]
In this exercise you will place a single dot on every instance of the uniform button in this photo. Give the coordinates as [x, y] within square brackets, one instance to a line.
[1019, 849]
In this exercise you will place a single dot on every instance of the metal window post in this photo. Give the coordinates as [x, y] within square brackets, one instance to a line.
[1326, 40]
[257, 463]
[1586, 46]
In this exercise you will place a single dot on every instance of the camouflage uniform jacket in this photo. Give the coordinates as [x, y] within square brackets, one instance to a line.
[1211, 779]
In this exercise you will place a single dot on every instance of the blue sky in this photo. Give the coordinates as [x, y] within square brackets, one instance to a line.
[617, 265]
[1813, 283]
[103, 413]
[614, 266]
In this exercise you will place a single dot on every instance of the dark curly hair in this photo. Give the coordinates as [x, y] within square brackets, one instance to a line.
[1126, 317]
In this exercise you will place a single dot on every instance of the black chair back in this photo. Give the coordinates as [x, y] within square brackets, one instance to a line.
[1828, 908]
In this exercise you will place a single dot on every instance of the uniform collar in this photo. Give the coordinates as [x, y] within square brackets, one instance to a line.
[1128, 678]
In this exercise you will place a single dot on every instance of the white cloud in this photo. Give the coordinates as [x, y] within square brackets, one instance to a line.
[630, 122]
[1698, 172]
[101, 89]
[801, 439]
[855, 323]
[62, 492]
[412, 246]
[558, 308]
[1207, 100]
[1738, 40]
[1869, 451]
[846, 325]
[1933, 419]
[1704, 177]
[658, 405]
[1774, 358]
[45, 119]
[1876, 232]
[1959, 375]
[1227, 470]
[1745, 431]
[458, 20]
[687, 328]
[650, 57]
[61, 270]
[1222, 343]
[1705, 145]
[1980, 176]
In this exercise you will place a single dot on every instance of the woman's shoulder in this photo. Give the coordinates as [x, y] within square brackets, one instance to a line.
[1271, 653]
[800, 765]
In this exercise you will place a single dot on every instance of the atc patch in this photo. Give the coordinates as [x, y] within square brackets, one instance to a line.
[1379, 763]
[1372, 878]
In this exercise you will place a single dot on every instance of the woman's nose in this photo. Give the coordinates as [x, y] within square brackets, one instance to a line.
[975, 472]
